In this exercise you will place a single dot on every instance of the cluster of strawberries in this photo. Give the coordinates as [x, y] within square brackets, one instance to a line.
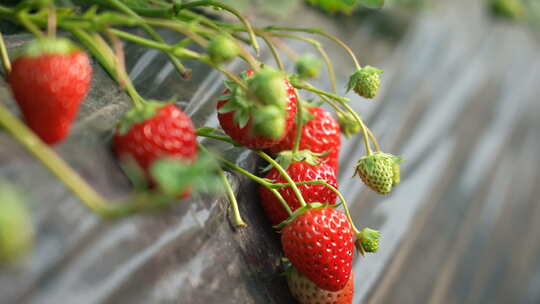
[51, 77]
[317, 239]
[49, 80]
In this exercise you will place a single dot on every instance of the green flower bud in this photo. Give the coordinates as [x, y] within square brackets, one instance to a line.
[16, 231]
[347, 124]
[267, 86]
[308, 66]
[269, 121]
[365, 81]
[510, 9]
[222, 49]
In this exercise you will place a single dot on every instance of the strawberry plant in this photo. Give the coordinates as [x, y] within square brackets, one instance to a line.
[156, 142]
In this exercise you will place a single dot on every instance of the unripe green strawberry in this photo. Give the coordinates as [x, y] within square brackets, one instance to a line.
[269, 121]
[396, 178]
[308, 66]
[268, 88]
[367, 241]
[377, 171]
[347, 124]
[365, 81]
[16, 231]
[222, 49]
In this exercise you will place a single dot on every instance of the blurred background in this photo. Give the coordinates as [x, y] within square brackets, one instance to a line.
[459, 102]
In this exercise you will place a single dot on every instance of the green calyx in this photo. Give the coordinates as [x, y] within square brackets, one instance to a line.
[267, 87]
[238, 103]
[222, 49]
[348, 124]
[16, 230]
[264, 103]
[286, 158]
[42, 46]
[365, 81]
[138, 115]
[308, 66]
[269, 121]
[379, 171]
[367, 240]
[299, 212]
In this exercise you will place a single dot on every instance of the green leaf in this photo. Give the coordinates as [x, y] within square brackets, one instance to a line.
[173, 177]
[345, 6]
[136, 3]
[205, 130]
[372, 3]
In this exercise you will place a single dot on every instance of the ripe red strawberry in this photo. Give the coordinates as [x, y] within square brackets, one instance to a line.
[245, 135]
[320, 134]
[49, 80]
[306, 292]
[156, 131]
[299, 171]
[319, 243]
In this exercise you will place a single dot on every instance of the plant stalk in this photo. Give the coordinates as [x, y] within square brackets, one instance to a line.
[238, 221]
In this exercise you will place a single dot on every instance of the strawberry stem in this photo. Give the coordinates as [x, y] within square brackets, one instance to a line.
[5, 56]
[187, 31]
[234, 167]
[282, 201]
[106, 57]
[299, 124]
[134, 203]
[51, 160]
[272, 48]
[22, 16]
[218, 137]
[285, 48]
[320, 32]
[263, 182]
[177, 51]
[51, 21]
[363, 127]
[179, 27]
[336, 107]
[336, 191]
[373, 140]
[232, 198]
[343, 102]
[153, 34]
[229, 9]
[303, 85]
[322, 52]
[285, 175]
